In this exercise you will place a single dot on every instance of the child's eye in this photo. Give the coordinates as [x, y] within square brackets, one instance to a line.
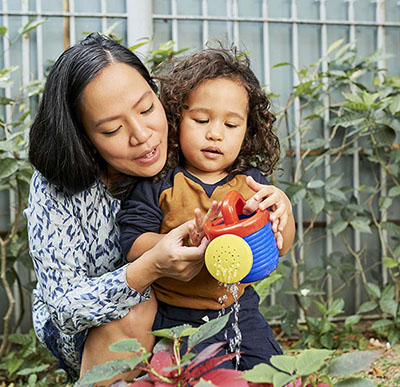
[112, 132]
[151, 108]
[200, 121]
[231, 125]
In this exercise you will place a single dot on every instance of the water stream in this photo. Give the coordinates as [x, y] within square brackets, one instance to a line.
[235, 341]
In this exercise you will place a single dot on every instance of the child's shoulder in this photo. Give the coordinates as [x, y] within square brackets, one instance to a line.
[256, 174]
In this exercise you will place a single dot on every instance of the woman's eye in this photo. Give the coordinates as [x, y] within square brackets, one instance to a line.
[113, 131]
[201, 121]
[151, 108]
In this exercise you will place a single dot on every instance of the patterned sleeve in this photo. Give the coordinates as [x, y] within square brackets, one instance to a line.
[75, 299]
[140, 213]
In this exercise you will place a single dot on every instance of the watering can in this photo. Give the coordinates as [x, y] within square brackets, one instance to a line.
[242, 248]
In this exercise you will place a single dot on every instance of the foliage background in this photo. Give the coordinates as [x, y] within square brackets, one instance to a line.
[344, 108]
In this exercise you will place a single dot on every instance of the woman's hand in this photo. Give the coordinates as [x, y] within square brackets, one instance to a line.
[172, 259]
[269, 196]
[196, 229]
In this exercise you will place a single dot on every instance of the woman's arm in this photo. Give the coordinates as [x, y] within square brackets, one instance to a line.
[60, 249]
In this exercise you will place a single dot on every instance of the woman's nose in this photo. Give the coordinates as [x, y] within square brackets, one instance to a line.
[139, 134]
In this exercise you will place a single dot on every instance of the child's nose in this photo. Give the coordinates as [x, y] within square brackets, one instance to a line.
[215, 133]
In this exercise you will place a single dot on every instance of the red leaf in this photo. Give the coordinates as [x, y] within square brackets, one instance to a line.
[206, 353]
[252, 384]
[207, 366]
[226, 378]
[159, 361]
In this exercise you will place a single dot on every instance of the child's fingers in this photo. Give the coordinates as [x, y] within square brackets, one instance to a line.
[271, 200]
[253, 184]
[198, 220]
[213, 212]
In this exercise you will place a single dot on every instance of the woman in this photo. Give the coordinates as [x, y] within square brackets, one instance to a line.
[99, 121]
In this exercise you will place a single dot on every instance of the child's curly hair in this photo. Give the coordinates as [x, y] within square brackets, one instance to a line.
[260, 146]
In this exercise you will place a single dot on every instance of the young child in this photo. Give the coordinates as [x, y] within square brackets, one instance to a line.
[220, 139]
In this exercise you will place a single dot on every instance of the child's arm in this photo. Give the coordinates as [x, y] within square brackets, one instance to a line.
[148, 240]
[269, 196]
[143, 243]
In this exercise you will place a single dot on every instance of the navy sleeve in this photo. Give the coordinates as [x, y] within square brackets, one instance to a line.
[256, 174]
[140, 213]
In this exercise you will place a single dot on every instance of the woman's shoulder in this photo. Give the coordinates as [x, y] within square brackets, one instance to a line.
[52, 195]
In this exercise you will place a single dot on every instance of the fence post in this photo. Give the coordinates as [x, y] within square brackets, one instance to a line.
[139, 22]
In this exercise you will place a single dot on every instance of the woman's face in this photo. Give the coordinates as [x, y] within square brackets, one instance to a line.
[125, 121]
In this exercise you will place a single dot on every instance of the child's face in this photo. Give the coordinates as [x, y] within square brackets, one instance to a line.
[213, 128]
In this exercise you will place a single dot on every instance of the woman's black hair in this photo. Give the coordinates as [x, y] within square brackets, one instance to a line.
[58, 146]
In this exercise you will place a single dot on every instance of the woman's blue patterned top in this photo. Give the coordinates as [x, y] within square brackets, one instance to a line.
[81, 274]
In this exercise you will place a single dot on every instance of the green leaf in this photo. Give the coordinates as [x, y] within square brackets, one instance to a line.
[327, 339]
[391, 227]
[14, 365]
[282, 379]
[8, 146]
[390, 263]
[388, 306]
[203, 383]
[367, 307]
[33, 370]
[394, 106]
[274, 312]
[332, 181]
[127, 345]
[335, 45]
[353, 97]
[321, 307]
[337, 194]
[384, 135]
[32, 380]
[381, 325]
[296, 192]
[315, 201]
[31, 25]
[338, 226]
[282, 64]
[394, 191]
[3, 30]
[336, 307]
[261, 373]
[179, 331]
[107, 371]
[8, 167]
[351, 363]
[361, 225]
[394, 336]
[385, 202]
[315, 184]
[352, 320]
[355, 382]
[311, 360]
[263, 287]
[207, 330]
[284, 363]
[372, 289]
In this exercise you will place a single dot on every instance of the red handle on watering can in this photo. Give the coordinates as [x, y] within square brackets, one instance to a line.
[231, 207]
[229, 223]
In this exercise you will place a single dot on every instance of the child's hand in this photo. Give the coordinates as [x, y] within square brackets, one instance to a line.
[269, 196]
[196, 229]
